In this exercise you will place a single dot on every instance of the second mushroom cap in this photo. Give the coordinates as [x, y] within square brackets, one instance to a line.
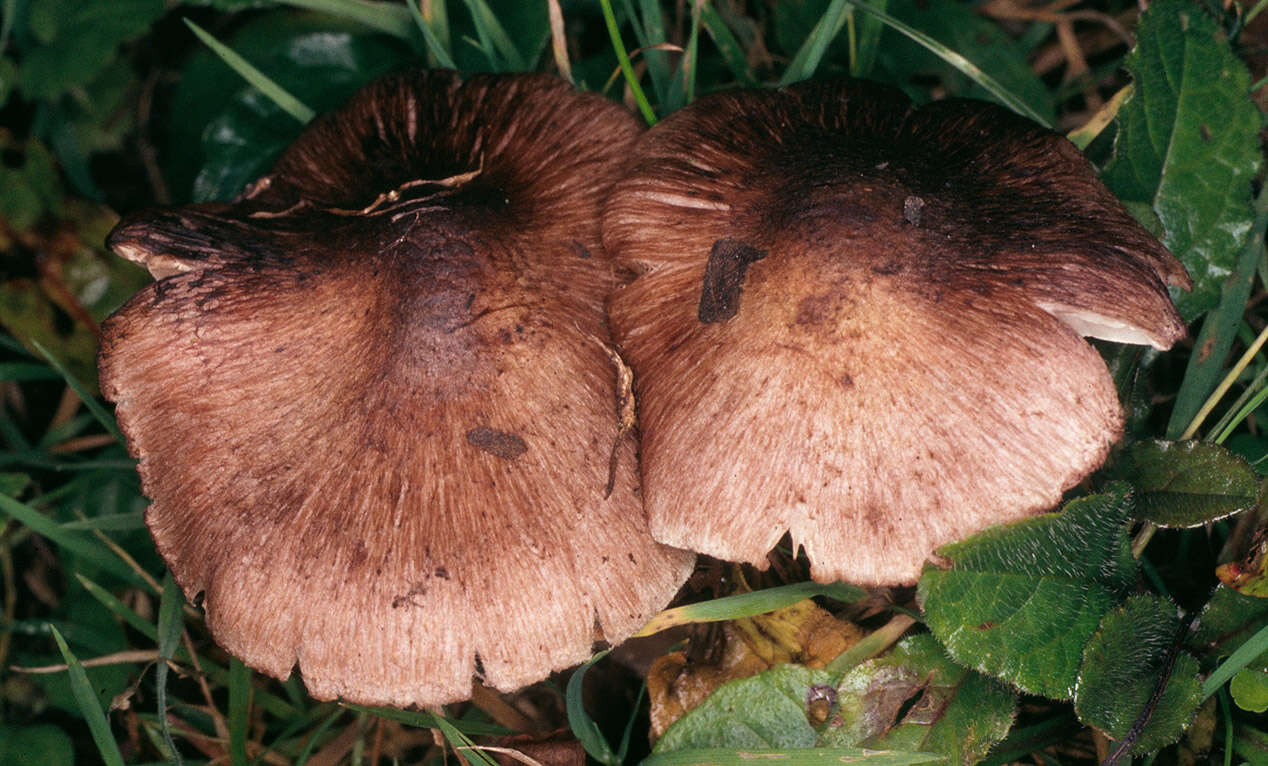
[859, 321]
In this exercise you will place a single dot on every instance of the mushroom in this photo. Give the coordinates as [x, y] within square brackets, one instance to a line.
[374, 402]
[858, 322]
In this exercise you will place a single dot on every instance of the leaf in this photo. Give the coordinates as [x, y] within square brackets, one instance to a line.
[1019, 601]
[768, 710]
[78, 40]
[724, 756]
[229, 133]
[1135, 648]
[1186, 484]
[946, 708]
[1228, 620]
[39, 745]
[1250, 689]
[1187, 143]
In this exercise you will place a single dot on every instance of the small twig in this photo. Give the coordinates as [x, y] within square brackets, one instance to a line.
[118, 658]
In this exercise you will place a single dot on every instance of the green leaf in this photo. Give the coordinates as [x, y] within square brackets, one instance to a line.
[583, 726]
[229, 132]
[1219, 331]
[946, 708]
[724, 756]
[1019, 601]
[768, 710]
[1250, 689]
[1186, 484]
[1228, 620]
[89, 705]
[1135, 648]
[1187, 143]
[39, 745]
[77, 40]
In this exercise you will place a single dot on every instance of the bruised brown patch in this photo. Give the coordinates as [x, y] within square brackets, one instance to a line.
[724, 279]
[500, 443]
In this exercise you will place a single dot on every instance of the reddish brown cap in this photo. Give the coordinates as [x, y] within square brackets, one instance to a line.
[374, 404]
[859, 322]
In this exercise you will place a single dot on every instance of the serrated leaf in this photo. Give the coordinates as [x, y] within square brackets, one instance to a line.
[946, 708]
[768, 710]
[1187, 143]
[1228, 619]
[1250, 689]
[1122, 666]
[1186, 484]
[1019, 601]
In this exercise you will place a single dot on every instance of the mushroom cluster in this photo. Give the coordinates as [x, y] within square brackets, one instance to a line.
[374, 400]
[858, 322]
[387, 437]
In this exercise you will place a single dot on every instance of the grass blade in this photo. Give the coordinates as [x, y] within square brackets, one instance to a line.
[1254, 646]
[438, 50]
[118, 608]
[491, 32]
[965, 67]
[89, 705]
[426, 720]
[386, 17]
[75, 542]
[583, 726]
[170, 625]
[284, 100]
[730, 48]
[623, 58]
[1219, 331]
[682, 89]
[239, 708]
[812, 50]
[104, 418]
[748, 604]
[653, 33]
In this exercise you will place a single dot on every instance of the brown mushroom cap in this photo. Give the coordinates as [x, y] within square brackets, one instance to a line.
[374, 405]
[859, 322]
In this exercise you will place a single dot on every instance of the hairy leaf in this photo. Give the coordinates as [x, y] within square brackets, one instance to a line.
[1132, 652]
[1186, 484]
[1019, 601]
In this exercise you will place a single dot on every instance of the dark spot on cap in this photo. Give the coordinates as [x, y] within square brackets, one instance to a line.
[500, 443]
[912, 207]
[847, 381]
[442, 573]
[813, 309]
[724, 278]
[580, 249]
